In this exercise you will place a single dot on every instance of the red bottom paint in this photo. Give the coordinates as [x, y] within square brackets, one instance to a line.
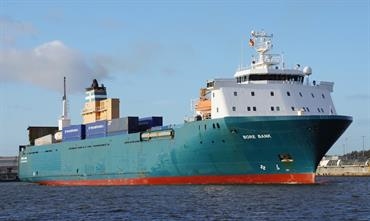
[305, 178]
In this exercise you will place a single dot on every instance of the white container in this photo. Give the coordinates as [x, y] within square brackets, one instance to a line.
[47, 139]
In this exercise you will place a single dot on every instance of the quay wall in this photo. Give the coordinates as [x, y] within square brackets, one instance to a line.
[345, 170]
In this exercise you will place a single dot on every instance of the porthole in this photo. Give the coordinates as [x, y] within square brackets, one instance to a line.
[300, 94]
[272, 93]
[252, 93]
[235, 93]
[248, 108]
[254, 108]
[234, 108]
[272, 108]
[323, 96]
[288, 93]
[312, 95]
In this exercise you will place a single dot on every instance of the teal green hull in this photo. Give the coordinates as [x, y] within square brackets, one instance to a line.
[227, 147]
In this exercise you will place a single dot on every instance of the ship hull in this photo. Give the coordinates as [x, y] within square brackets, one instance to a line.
[230, 150]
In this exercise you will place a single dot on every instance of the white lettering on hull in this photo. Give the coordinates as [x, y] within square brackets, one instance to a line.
[256, 136]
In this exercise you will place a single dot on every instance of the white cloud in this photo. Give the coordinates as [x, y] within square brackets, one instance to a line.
[45, 65]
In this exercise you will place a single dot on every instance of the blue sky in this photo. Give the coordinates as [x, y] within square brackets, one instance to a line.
[155, 55]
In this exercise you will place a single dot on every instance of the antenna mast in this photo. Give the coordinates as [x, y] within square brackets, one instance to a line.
[64, 121]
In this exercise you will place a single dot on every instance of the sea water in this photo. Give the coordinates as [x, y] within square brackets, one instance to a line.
[332, 198]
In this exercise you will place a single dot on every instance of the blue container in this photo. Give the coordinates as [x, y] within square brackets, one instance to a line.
[149, 122]
[96, 129]
[91, 136]
[74, 132]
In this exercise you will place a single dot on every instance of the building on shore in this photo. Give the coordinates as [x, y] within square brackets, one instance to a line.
[8, 168]
[340, 166]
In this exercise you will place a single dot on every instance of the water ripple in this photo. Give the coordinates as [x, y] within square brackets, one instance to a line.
[341, 198]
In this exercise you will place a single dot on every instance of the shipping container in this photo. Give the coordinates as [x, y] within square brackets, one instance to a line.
[74, 132]
[129, 124]
[47, 139]
[91, 136]
[149, 122]
[96, 129]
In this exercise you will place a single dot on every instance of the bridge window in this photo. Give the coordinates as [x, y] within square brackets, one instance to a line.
[274, 77]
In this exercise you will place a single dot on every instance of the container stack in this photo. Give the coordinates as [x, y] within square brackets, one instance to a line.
[123, 125]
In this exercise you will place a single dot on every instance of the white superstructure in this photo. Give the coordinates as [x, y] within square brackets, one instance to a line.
[266, 88]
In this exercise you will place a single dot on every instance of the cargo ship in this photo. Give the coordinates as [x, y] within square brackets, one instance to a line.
[266, 124]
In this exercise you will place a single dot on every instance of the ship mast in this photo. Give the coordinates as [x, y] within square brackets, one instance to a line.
[64, 114]
[64, 121]
[262, 42]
